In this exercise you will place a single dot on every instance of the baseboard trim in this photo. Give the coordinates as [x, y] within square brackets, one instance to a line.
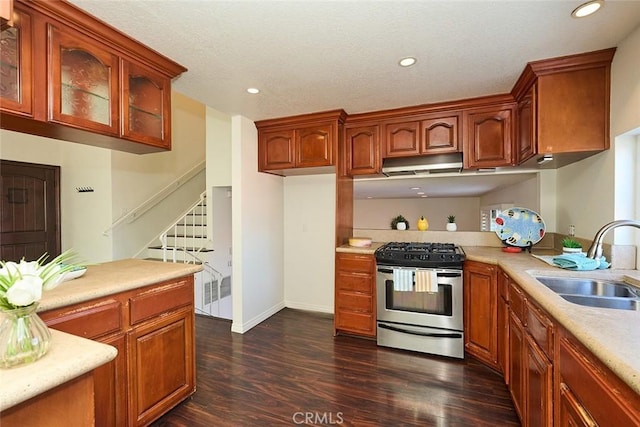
[241, 329]
[309, 307]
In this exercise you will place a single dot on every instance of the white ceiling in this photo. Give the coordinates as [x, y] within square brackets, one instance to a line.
[309, 56]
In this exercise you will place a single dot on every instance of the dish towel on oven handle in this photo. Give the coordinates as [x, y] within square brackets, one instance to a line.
[402, 280]
[426, 281]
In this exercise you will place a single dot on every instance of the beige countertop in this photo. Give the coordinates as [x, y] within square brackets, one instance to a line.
[612, 335]
[113, 277]
[70, 356]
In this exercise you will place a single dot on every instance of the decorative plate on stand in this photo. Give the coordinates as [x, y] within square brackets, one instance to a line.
[520, 227]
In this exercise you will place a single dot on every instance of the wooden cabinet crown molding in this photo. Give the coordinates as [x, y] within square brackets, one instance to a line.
[303, 119]
[417, 111]
[535, 69]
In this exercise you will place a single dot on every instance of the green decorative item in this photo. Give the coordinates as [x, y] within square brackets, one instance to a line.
[451, 223]
[571, 245]
[569, 242]
[395, 223]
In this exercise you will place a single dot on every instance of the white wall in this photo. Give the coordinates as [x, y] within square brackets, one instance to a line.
[258, 247]
[309, 242]
[84, 216]
[218, 154]
[378, 213]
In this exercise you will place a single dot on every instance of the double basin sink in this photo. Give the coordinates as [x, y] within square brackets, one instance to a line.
[594, 292]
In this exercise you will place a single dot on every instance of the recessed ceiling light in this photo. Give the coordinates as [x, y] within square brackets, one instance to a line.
[420, 193]
[407, 62]
[253, 90]
[587, 9]
[415, 188]
[423, 196]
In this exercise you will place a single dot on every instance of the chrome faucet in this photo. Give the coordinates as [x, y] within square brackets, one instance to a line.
[595, 250]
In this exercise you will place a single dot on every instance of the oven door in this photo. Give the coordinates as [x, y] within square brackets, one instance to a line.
[441, 309]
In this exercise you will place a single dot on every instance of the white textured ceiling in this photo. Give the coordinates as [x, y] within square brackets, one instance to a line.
[309, 56]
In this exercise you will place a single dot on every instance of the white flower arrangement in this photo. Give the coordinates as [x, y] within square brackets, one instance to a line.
[22, 283]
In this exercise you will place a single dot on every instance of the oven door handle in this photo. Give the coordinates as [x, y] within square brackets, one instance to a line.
[422, 334]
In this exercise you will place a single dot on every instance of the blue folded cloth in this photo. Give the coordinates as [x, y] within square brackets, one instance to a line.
[579, 262]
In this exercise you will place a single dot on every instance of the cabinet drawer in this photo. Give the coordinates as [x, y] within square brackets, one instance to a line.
[355, 322]
[541, 329]
[600, 392]
[355, 302]
[356, 263]
[161, 299]
[90, 322]
[355, 282]
[516, 302]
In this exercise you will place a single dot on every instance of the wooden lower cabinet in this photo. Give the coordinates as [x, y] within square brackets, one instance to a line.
[355, 297]
[503, 324]
[530, 360]
[69, 404]
[480, 311]
[517, 379]
[590, 394]
[153, 330]
[163, 364]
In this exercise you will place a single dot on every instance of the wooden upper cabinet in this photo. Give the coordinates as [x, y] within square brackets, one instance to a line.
[362, 144]
[83, 83]
[526, 127]
[433, 133]
[488, 137]
[306, 141]
[563, 106]
[402, 139]
[275, 149]
[146, 97]
[67, 75]
[441, 134]
[16, 87]
[314, 146]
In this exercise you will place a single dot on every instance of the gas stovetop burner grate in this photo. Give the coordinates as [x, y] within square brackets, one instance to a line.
[419, 254]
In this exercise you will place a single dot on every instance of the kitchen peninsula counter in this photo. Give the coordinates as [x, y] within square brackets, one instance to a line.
[72, 356]
[113, 277]
[68, 358]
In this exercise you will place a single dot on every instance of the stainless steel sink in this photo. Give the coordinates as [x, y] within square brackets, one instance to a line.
[589, 287]
[604, 302]
[594, 292]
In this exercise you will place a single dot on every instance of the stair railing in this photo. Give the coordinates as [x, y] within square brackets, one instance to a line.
[179, 228]
[158, 197]
[209, 276]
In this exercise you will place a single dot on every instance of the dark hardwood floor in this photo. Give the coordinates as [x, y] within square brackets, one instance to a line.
[291, 370]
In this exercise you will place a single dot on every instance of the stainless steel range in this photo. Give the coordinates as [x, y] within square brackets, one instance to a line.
[419, 297]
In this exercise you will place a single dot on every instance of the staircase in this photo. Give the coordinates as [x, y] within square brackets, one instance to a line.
[186, 242]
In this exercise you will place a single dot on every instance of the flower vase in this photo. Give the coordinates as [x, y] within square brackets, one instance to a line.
[451, 226]
[24, 337]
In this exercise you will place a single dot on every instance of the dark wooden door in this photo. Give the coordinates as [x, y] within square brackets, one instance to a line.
[29, 210]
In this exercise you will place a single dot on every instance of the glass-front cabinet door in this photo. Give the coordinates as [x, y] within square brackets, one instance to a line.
[83, 83]
[146, 105]
[15, 66]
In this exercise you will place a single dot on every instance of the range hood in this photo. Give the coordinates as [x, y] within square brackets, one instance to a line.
[420, 165]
